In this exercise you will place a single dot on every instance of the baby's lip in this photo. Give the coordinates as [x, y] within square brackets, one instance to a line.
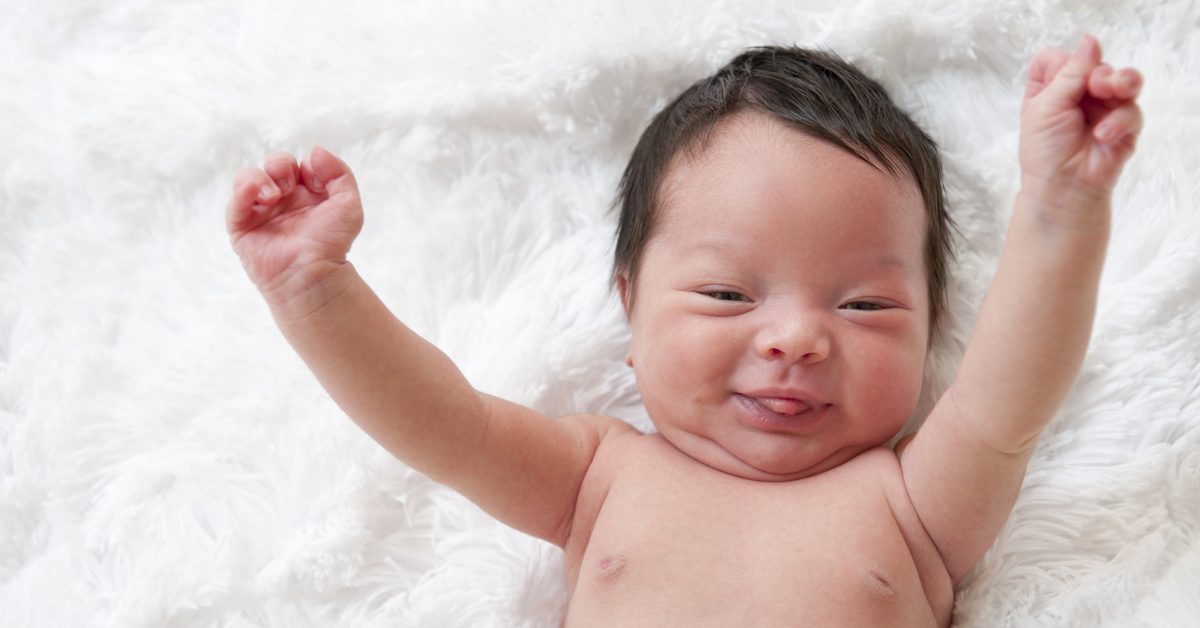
[786, 402]
[776, 413]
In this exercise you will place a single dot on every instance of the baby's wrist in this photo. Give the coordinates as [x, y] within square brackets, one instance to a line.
[1061, 203]
[300, 294]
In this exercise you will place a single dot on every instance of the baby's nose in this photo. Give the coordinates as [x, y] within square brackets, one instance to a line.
[796, 339]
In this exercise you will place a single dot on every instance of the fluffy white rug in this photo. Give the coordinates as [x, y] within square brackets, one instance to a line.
[166, 460]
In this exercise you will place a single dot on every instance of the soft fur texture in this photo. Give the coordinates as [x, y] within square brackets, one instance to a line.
[166, 460]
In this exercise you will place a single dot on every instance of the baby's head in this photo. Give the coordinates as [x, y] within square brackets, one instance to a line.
[781, 255]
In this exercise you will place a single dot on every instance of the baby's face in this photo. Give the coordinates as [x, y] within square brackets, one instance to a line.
[780, 318]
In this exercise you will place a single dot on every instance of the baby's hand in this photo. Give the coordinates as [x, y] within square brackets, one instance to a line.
[292, 225]
[1079, 121]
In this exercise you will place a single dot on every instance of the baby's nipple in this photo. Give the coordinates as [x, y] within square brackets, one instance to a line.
[609, 567]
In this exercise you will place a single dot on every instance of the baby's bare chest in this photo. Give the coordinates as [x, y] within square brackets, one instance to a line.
[683, 545]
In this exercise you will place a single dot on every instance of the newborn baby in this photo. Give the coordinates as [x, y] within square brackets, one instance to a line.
[781, 258]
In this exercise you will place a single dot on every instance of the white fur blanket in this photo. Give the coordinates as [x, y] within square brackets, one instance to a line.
[166, 460]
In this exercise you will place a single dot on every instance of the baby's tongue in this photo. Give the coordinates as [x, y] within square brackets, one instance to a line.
[783, 406]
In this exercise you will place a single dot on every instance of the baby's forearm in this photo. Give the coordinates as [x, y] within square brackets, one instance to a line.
[1033, 329]
[398, 387]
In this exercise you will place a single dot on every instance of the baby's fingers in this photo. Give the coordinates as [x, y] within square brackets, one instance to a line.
[1042, 70]
[310, 179]
[253, 191]
[1066, 87]
[281, 167]
[1120, 123]
[325, 173]
[1100, 84]
[1127, 83]
[1106, 84]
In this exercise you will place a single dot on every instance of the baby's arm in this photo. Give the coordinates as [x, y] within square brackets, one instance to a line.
[292, 226]
[964, 468]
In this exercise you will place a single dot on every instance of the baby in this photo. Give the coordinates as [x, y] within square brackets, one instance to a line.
[781, 260]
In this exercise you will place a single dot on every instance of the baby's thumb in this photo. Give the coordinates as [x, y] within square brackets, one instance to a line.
[332, 174]
[1069, 84]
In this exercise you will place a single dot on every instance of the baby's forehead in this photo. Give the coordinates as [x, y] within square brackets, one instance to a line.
[736, 135]
[754, 158]
[740, 129]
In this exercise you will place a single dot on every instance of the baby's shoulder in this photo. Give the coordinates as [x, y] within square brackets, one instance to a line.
[873, 469]
[877, 459]
[611, 439]
[619, 445]
[881, 466]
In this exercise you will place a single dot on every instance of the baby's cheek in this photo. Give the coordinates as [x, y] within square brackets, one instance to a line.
[686, 359]
[896, 384]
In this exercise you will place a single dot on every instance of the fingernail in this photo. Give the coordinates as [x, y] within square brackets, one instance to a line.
[267, 191]
[282, 185]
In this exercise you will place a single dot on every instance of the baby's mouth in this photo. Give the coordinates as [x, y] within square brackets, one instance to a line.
[784, 406]
[772, 411]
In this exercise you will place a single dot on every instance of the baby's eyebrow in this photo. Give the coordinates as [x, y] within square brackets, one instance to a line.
[722, 250]
[889, 261]
[883, 263]
[707, 246]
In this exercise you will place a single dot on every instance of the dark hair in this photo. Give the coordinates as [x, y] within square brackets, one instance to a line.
[813, 91]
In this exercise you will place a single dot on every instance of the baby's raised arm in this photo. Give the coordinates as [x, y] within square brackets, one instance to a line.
[292, 225]
[964, 468]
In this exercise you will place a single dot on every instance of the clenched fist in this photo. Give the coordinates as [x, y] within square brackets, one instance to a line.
[292, 223]
[1079, 120]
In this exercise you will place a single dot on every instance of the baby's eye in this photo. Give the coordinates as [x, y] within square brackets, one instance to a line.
[726, 295]
[865, 306]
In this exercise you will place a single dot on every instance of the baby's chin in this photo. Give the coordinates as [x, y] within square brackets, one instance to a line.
[772, 464]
